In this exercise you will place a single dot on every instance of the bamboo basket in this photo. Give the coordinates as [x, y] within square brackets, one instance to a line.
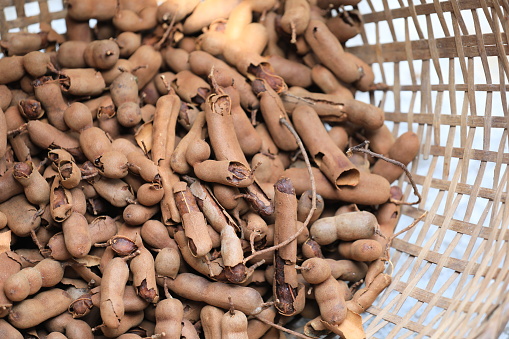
[447, 72]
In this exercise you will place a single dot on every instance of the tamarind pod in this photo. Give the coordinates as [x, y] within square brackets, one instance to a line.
[375, 268]
[5, 98]
[268, 167]
[132, 301]
[258, 200]
[221, 131]
[347, 270]
[77, 31]
[361, 250]
[165, 120]
[311, 249]
[194, 287]
[57, 249]
[216, 215]
[37, 189]
[364, 298]
[234, 325]
[388, 213]
[60, 201]
[188, 330]
[48, 92]
[141, 57]
[102, 228]
[405, 149]
[128, 43]
[136, 214]
[328, 107]
[190, 87]
[293, 73]
[144, 275]
[256, 328]
[177, 59]
[12, 69]
[70, 174]
[100, 10]
[328, 82]
[86, 273]
[363, 114]
[167, 262]
[346, 227]
[28, 281]
[155, 234]
[169, 315]
[150, 194]
[304, 206]
[72, 328]
[366, 81]
[10, 264]
[380, 140]
[255, 66]
[210, 317]
[372, 189]
[114, 279]
[206, 12]
[77, 235]
[21, 43]
[233, 255]
[70, 54]
[285, 275]
[330, 298]
[47, 136]
[296, 17]
[175, 10]
[230, 173]
[330, 159]
[128, 321]
[193, 220]
[36, 63]
[135, 21]
[124, 89]
[316, 328]
[178, 157]
[345, 25]
[22, 217]
[162, 86]
[212, 269]
[270, 102]
[9, 331]
[330, 52]
[315, 270]
[249, 141]
[201, 63]
[115, 191]
[28, 313]
[81, 81]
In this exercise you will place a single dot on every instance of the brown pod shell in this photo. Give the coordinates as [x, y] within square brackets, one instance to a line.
[36, 63]
[70, 54]
[330, 52]
[144, 276]
[116, 191]
[94, 142]
[347, 270]
[128, 43]
[137, 214]
[140, 58]
[329, 158]
[169, 314]
[27, 313]
[97, 9]
[293, 73]
[128, 321]
[60, 201]
[149, 194]
[101, 54]
[372, 189]
[78, 117]
[77, 235]
[9, 331]
[230, 173]
[11, 68]
[48, 92]
[113, 284]
[347, 227]
[405, 149]
[70, 174]
[124, 89]
[330, 298]
[361, 250]
[82, 81]
[22, 217]
[167, 262]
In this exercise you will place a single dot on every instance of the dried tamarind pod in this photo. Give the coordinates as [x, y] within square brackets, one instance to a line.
[43, 306]
[113, 284]
[346, 227]
[37, 189]
[22, 217]
[361, 250]
[12, 69]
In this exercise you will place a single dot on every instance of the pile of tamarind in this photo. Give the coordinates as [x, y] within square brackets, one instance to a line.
[181, 170]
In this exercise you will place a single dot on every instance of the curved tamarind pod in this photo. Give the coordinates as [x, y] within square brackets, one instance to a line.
[330, 159]
[113, 284]
[206, 12]
[22, 217]
[48, 92]
[405, 149]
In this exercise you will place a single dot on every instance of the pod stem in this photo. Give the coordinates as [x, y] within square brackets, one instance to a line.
[285, 122]
[362, 148]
